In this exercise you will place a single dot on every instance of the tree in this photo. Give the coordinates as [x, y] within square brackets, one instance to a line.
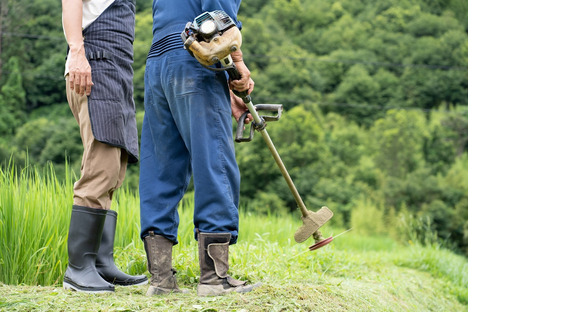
[360, 91]
[12, 99]
[374, 93]
[3, 15]
[397, 141]
[143, 37]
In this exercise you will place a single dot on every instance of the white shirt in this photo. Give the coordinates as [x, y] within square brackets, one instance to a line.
[93, 9]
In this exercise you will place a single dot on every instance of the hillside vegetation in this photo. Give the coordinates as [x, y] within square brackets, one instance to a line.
[375, 122]
[356, 272]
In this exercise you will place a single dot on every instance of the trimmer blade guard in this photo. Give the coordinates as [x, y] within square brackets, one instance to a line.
[311, 223]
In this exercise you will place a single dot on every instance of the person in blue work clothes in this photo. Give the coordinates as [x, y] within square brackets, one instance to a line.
[187, 131]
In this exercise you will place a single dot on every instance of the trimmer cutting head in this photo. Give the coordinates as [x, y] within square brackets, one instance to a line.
[312, 221]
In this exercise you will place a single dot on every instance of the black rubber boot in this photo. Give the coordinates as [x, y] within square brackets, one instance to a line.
[214, 265]
[163, 281]
[105, 262]
[84, 238]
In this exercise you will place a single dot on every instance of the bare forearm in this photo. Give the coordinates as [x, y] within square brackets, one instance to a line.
[79, 68]
[72, 16]
[245, 83]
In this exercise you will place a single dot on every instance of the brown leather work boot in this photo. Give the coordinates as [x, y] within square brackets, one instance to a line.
[163, 281]
[214, 265]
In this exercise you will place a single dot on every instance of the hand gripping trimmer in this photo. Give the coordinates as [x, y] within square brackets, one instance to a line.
[210, 38]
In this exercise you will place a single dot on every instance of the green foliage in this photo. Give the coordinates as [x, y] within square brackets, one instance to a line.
[396, 142]
[448, 138]
[375, 107]
[454, 196]
[33, 35]
[367, 218]
[432, 25]
[58, 142]
[12, 96]
[143, 37]
[405, 161]
[422, 48]
[266, 203]
[292, 47]
[360, 89]
[430, 210]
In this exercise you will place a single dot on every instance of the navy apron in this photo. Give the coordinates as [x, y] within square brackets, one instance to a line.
[109, 49]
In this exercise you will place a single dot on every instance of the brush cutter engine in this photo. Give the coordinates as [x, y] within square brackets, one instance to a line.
[211, 37]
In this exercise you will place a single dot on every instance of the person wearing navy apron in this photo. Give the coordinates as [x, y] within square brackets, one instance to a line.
[187, 133]
[99, 80]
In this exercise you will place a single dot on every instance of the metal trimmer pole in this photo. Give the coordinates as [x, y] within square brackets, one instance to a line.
[284, 172]
[276, 156]
[317, 235]
[259, 124]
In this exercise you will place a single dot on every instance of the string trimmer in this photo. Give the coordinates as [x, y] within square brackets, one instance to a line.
[210, 38]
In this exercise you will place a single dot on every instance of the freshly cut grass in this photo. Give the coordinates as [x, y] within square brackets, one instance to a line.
[325, 280]
[439, 263]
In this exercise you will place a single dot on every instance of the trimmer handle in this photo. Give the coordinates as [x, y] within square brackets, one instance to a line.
[233, 72]
[240, 131]
[259, 107]
[235, 75]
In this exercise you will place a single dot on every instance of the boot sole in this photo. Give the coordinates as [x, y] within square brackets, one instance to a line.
[157, 291]
[125, 284]
[88, 290]
[218, 290]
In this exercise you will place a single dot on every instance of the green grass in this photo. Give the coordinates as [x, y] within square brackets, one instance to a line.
[353, 273]
[33, 226]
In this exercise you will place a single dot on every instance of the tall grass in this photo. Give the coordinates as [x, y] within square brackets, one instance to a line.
[35, 209]
[35, 212]
[34, 216]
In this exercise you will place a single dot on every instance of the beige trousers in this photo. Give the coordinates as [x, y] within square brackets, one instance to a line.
[103, 166]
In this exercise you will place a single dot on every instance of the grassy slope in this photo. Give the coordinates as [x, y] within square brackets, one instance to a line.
[353, 273]
[330, 279]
